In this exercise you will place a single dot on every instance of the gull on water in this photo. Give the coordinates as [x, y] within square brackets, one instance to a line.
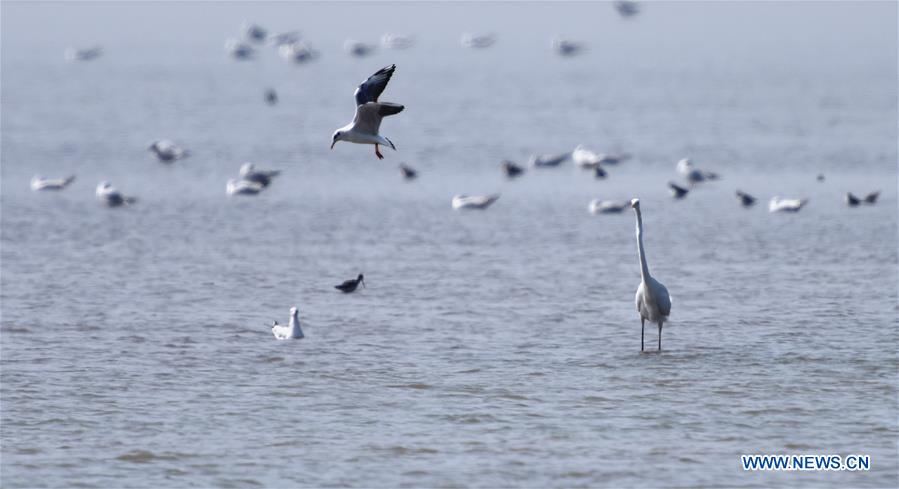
[692, 174]
[358, 48]
[249, 173]
[253, 32]
[478, 41]
[369, 112]
[239, 50]
[548, 161]
[586, 158]
[597, 206]
[291, 331]
[565, 47]
[745, 199]
[463, 201]
[242, 187]
[652, 299]
[776, 204]
[408, 172]
[111, 197]
[350, 285]
[511, 169]
[75, 54]
[40, 183]
[397, 41]
[167, 151]
[677, 191]
[299, 52]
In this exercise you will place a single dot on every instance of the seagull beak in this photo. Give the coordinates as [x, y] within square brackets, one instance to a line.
[333, 143]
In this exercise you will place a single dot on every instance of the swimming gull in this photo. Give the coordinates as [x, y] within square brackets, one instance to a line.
[291, 331]
[242, 187]
[463, 201]
[692, 174]
[597, 206]
[369, 112]
[478, 41]
[111, 197]
[167, 151]
[40, 183]
[776, 204]
[249, 173]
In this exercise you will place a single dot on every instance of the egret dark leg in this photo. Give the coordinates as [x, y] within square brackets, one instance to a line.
[378, 153]
[660, 336]
[642, 330]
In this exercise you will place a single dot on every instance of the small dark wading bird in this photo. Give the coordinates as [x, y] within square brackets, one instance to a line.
[350, 285]
[369, 112]
[408, 172]
[677, 191]
[511, 169]
[653, 301]
[745, 199]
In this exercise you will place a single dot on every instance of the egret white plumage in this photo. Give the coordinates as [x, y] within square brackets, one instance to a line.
[652, 299]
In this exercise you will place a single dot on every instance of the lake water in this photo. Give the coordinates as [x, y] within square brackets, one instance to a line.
[492, 349]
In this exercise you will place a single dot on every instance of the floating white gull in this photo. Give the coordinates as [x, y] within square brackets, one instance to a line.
[607, 206]
[291, 331]
[40, 183]
[74, 54]
[358, 48]
[586, 158]
[111, 197]
[478, 41]
[397, 41]
[786, 205]
[239, 50]
[692, 174]
[299, 52]
[167, 151]
[565, 47]
[369, 112]
[242, 187]
[548, 161]
[463, 201]
[249, 173]
[253, 32]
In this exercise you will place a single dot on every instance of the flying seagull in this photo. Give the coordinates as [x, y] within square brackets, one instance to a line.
[369, 112]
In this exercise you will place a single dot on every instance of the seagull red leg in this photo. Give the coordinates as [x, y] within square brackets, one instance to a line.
[378, 153]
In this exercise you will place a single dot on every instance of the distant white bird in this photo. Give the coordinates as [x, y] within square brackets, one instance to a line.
[242, 187]
[167, 151]
[746, 200]
[478, 41]
[587, 158]
[776, 204]
[291, 331]
[652, 299]
[239, 50]
[74, 54]
[565, 47]
[692, 174]
[548, 161]
[111, 197]
[463, 201]
[397, 41]
[358, 48]
[369, 112]
[597, 206]
[299, 52]
[253, 32]
[40, 183]
[249, 173]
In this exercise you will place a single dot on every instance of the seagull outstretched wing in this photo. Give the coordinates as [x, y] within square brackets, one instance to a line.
[371, 89]
[369, 115]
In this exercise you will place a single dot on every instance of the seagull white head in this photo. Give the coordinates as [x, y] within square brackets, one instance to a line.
[246, 169]
[338, 136]
[635, 203]
[293, 311]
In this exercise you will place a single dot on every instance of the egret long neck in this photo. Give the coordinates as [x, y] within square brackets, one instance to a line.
[294, 321]
[644, 268]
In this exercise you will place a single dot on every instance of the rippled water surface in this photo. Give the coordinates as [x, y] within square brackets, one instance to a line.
[496, 348]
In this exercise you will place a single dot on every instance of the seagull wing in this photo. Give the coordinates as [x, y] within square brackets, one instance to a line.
[369, 115]
[371, 89]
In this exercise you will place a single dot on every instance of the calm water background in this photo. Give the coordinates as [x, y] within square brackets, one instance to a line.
[490, 349]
